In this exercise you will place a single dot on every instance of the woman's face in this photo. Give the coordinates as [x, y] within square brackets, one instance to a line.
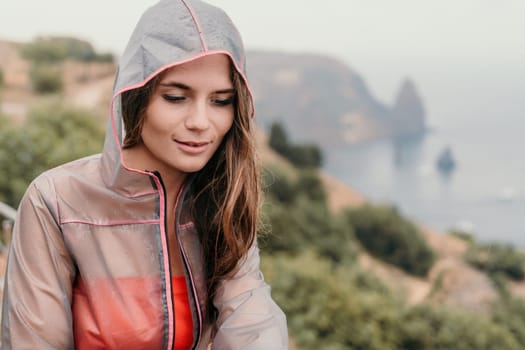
[189, 112]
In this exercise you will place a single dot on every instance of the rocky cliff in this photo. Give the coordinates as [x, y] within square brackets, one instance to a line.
[320, 99]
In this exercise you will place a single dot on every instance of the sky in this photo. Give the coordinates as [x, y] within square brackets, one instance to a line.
[384, 40]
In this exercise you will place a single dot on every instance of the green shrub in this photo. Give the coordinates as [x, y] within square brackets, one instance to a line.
[510, 313]
[1, 78]
[391, 238]
[427, 328]
[297, 217]
[305, 156]
[278, 185]
[56, 49]
[46, 78]
[310, 185]
[302, 156]
[307, 225]
[330, 308]
[326, 311]
[465, 236]
[104, 57]
[51, 135]
[497, 258]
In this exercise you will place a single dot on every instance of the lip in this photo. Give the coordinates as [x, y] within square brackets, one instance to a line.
[193, 147]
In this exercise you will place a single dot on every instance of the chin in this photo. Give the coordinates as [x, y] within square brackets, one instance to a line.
[193, 168]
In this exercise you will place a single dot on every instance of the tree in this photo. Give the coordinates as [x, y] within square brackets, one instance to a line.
[279, 139]
[300, 155]
[305, 156]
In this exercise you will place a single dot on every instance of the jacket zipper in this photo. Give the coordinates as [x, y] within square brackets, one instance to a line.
[171, 336]
[167, 266]
[194, 292]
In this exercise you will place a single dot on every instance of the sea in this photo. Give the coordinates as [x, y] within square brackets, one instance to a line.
[478, 112]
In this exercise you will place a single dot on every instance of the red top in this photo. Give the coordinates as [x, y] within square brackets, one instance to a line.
[101, 317]
[183, 323]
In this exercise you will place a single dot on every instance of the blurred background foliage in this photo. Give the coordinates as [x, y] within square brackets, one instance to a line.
[332, 303]
[310, 252]
[384, 233]
[46, 54]
[54, 49]
[494, 259]
[52, 134]
[46, 78]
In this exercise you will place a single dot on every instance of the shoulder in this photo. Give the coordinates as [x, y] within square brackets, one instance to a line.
[86, 167]
[63, 178]
[81, 165]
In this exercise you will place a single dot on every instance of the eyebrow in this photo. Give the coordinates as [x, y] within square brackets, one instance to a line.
[186, 87]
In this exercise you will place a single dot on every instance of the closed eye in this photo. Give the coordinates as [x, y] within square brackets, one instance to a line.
[173, 98]
[223, 101]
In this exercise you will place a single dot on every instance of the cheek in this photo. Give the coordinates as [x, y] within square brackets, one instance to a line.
[155, 121]
[154, 126]
[226, 123]
[227, 126]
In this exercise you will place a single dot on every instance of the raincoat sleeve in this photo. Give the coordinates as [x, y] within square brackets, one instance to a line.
[36, 311]
[248, 318]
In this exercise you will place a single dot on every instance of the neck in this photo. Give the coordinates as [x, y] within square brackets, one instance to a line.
[173, 179]
[172, 185]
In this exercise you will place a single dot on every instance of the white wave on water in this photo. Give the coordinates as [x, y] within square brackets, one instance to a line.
[508, 194]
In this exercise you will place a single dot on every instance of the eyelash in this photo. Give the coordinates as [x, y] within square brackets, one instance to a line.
[219, 102]
[223, 102]
[173, 98]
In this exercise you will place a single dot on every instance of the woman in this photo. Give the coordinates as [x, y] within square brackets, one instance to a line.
[152, 244]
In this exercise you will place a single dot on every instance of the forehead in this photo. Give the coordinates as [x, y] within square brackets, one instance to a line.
[210, 70]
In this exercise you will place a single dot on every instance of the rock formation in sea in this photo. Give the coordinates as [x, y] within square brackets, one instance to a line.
[320, 99]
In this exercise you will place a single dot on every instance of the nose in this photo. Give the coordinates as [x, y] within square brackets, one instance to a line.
[197, 118]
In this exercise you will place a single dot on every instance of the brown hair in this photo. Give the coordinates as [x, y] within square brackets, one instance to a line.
[133, 104]
[226, 192]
